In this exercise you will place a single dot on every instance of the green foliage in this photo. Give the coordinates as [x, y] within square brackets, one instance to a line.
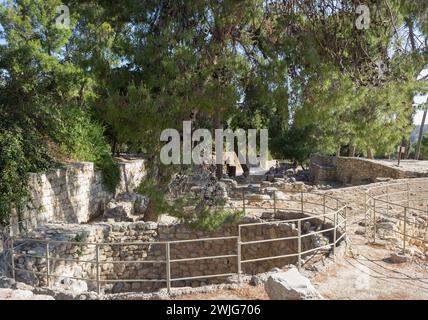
[294, 143]
[301, 69]
[21, 152]
[211, 219]
[424, 148]
[83, 139]
[190, 211]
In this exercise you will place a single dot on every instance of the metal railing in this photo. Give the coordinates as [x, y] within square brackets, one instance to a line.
[331, 211]
[405, 202]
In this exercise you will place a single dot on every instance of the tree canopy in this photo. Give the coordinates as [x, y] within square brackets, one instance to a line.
[122, 71]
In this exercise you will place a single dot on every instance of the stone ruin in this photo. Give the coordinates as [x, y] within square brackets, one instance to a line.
[75, 260]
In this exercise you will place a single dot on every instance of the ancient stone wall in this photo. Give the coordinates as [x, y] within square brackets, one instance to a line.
[75, 193]
[122, 242]
[359, 170]
[352, 170]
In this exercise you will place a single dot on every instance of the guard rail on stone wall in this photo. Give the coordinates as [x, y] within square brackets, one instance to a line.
[404, 202]
[316, 206]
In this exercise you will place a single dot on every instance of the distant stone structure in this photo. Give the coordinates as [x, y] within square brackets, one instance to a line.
[324, 169]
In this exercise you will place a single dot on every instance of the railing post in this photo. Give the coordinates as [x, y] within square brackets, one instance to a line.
[301, 200]
[274, 202]
[243, 199]
[374, 220]
[334, 235]
[97, 256]
[324, 207]
[299, 245]
[239, 253]
[365, 213]
[346, 219]
[13, 258]
[405, 230]
[47, 264]
[408, 194]
[168, 267]
[387, 198]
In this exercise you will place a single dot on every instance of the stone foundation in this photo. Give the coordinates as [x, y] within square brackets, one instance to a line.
[354, 170]
[112, 251]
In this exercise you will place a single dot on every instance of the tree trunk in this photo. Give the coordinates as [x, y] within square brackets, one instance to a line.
[150, 214]
[338, 152]
[421, 135]
[369, 153]
[351, 152]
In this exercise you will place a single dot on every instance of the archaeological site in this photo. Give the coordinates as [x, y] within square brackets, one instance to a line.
[213, 150]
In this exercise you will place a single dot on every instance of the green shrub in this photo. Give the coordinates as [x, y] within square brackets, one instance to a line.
[424, 148]
[21, 151]
[83, 139]
[202, 218]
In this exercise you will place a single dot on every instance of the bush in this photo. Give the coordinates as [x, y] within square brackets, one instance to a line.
[424, 148]
[203, 217]
[83, 139]
[21, 151]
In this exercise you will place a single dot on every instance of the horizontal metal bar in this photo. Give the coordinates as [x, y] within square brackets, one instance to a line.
[144, 243]
[132, 261]
[71, 260]
[203, 239]
[131, 280]
[317, 232]
[268, 240]
[318, 248]
[204, 258]
[270, 258]
[70, 277]
[204, 277]
[338, 239]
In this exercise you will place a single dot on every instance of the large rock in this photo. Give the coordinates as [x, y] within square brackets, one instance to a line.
[128, 207]
[255, 197]
[9, 294]
[73, 286]
[290, 285]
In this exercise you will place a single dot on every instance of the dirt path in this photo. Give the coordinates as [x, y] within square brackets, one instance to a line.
[366, 275]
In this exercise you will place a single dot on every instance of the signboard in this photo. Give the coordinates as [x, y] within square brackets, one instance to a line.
[401, 149]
